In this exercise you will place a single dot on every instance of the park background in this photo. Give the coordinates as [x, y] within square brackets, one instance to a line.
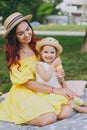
[73, 59]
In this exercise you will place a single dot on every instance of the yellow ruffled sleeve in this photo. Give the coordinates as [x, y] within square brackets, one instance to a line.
[24, 73]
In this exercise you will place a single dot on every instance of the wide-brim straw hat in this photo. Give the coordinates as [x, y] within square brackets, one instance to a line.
[13, 20]
[49, 41]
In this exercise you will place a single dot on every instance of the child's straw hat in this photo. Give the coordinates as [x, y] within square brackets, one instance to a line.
[49, 41]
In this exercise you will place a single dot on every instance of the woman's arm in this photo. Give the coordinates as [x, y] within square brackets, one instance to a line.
[38, 87]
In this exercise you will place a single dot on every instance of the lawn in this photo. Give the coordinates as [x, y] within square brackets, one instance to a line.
[74, 62]
[57, 27]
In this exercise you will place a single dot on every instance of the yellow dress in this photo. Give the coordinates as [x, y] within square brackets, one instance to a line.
[22, 104]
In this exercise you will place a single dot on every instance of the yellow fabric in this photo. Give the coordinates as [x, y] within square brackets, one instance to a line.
[55, 100]
[78, 100]
[21, 104]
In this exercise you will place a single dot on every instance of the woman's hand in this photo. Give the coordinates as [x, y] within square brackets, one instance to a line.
[64, 91]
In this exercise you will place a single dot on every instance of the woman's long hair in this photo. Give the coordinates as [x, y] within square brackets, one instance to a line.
[12, 47]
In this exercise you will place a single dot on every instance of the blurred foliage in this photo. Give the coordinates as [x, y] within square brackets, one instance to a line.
[44, 10]
[5, 82]
[25, 7]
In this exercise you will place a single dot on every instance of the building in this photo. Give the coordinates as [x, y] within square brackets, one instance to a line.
[76, 10]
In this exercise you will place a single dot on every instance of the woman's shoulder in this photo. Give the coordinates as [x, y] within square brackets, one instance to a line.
[24, 64]
[26, 61]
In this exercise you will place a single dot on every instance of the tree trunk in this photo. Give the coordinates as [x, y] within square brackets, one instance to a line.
[84, 44]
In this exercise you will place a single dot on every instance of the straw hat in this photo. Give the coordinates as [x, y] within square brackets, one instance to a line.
[13, 20]
[49, 41]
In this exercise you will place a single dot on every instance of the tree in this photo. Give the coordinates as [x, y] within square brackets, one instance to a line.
[30, 6]
[44, 10]
[47, 8]
[55, 11]
[38, 8]
[55, 2]
[84, 44]
[8, 7]
[24, 6]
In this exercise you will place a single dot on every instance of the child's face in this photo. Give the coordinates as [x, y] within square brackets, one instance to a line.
[48, 53]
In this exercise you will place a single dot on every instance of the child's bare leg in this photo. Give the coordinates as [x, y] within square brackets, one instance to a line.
[85, 104]
[81, 109]
[79, 101]
[66, 112]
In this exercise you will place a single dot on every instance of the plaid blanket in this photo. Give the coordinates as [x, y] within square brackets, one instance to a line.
[77, 122]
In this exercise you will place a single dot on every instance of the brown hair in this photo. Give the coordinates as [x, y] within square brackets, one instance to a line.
[12, 47]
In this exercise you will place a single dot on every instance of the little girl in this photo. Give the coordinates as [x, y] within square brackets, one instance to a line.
[49, 67]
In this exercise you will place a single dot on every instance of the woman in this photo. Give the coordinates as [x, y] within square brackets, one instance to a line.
[23, 105]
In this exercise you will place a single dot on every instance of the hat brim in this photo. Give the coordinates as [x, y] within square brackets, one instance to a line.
[28, 18]
[41, 44]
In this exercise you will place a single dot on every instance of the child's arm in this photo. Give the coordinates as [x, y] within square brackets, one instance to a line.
[61, 78]
[63, 83]
[45, 75]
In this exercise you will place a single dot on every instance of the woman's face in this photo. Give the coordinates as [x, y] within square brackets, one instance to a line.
[48, 53]
[23, 33]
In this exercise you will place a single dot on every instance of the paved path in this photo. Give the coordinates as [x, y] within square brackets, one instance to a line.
[65, 33]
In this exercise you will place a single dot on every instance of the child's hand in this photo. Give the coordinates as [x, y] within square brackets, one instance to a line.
[56, 62]
[60, 73]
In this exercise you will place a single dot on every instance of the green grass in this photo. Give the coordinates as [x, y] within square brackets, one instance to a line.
[56, 27]
[74, 62]
[61, 27]
[5, 83]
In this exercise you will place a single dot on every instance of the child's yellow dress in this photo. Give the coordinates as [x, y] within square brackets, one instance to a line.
[22, 104]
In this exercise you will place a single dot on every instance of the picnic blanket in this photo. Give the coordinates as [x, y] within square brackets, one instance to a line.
[78, 121]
